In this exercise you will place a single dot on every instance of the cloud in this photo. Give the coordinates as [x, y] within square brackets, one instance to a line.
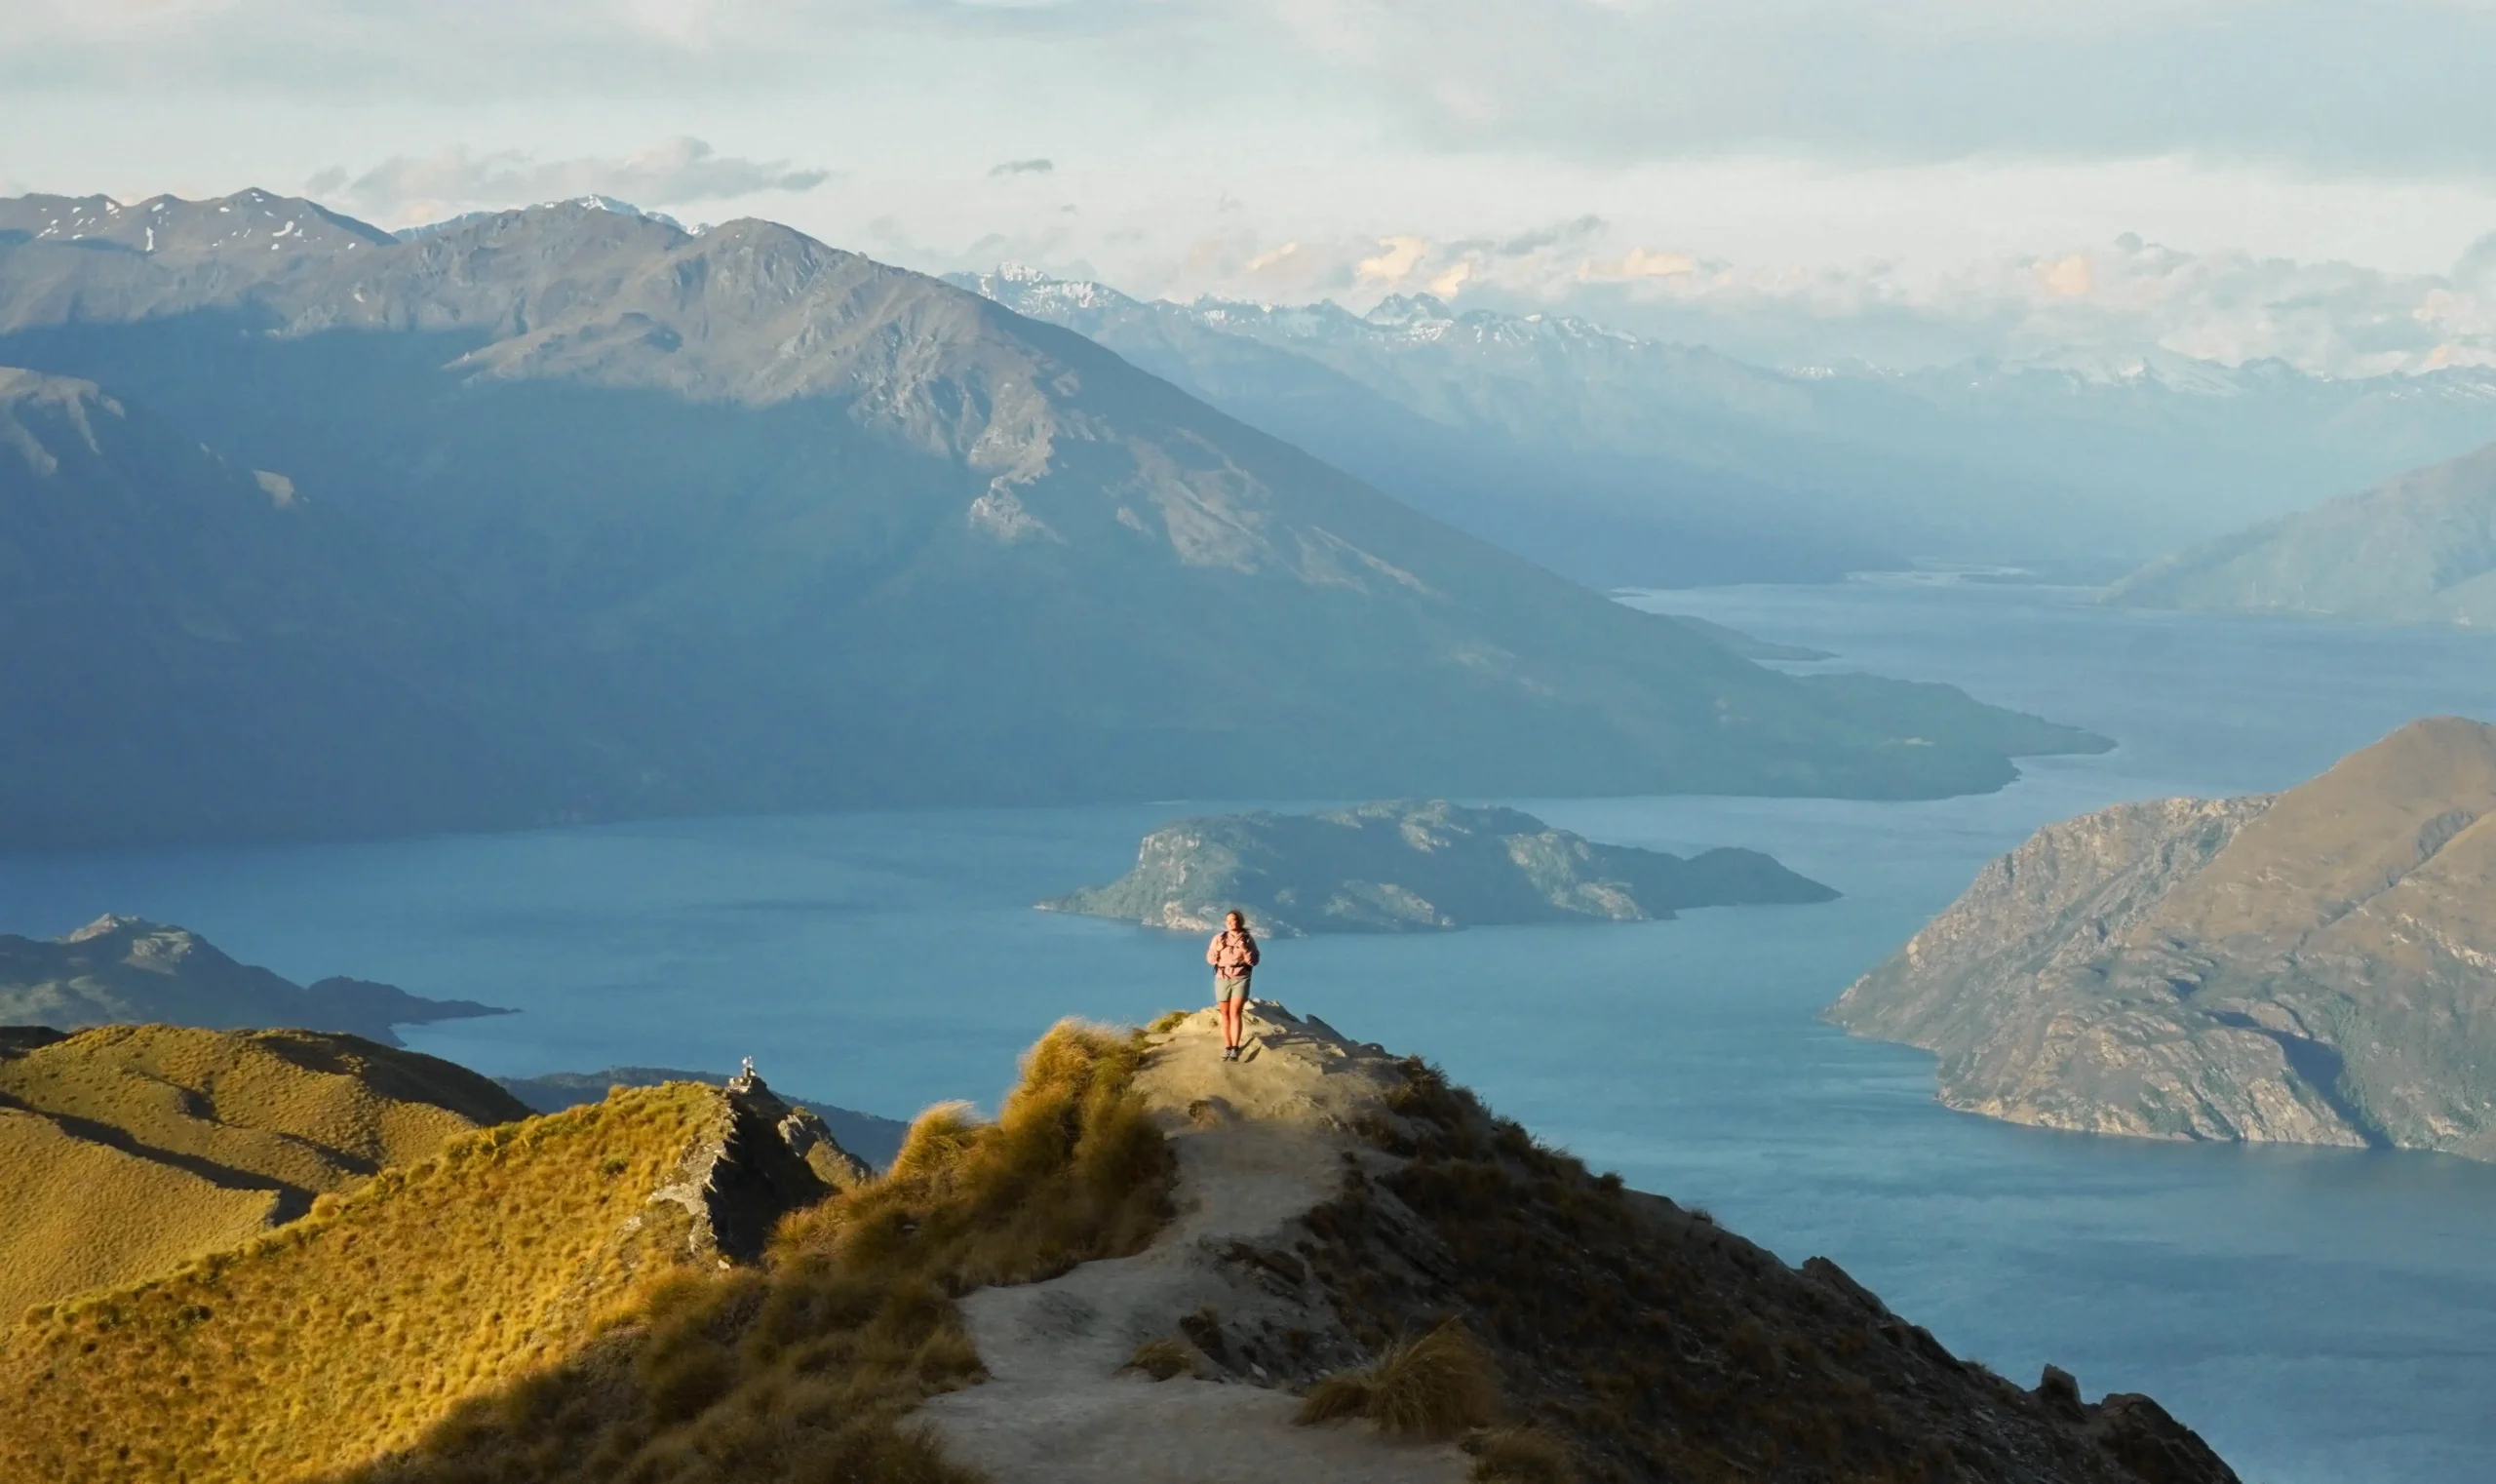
[420, 188]
[2128, 297]
[1639, 263]
[2316, 83]
[1393, 262]
[1022, 168]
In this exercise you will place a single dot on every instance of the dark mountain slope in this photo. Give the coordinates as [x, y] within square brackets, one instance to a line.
[783, 527]
[192, 647]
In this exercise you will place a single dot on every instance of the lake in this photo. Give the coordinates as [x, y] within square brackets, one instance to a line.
[2324, 1317]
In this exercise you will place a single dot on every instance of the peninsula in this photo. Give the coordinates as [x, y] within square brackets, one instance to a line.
[2317, 966]
[119, 969]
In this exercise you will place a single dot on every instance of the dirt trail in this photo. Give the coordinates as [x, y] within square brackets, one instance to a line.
[1258, 1141]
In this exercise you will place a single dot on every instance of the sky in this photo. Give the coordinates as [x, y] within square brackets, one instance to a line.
[1803, 181]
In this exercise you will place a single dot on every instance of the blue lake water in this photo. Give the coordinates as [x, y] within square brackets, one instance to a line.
[2324, 1317]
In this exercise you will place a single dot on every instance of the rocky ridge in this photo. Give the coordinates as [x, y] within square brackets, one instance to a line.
[2317, 966]
[872, 1139]
[1412, 866]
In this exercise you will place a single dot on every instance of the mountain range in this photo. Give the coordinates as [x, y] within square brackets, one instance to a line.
[1626, 461]
[568, 512]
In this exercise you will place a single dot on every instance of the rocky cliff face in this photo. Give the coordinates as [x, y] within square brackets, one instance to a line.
[1408, 867]
[2315, 967]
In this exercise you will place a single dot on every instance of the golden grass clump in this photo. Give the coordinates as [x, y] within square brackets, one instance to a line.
[804, 1369]
[1518, 1456]
[1161, 1358]
[1440, 1386]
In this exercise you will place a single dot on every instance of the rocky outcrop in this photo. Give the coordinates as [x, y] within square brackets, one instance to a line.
[869, 1137]
[121, 970]
[2314, 967]
[1408, 867]
[759, 1160]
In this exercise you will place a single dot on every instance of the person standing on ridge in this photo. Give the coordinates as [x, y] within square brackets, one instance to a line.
[1233, 957]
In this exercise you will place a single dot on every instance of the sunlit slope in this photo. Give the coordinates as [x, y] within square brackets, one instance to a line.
[76, 1214]
[128, 1150]
[590, 1296]
[346, 1333]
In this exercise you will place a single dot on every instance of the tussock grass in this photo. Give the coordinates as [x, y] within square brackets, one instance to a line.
[1644, 1338]
[804, 1369]
[126, 1151]
[518, 1309]
[353, 1330]
[1440, 1386]
[1518, 1456]
[1161, 1358]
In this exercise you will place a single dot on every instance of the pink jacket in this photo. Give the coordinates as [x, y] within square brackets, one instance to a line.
[1232, 954]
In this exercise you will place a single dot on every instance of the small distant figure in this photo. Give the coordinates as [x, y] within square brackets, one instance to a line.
[1233, 957]
[749, 1069]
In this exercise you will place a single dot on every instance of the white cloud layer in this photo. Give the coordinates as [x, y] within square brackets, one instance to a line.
[1801, 179]
[406, 190]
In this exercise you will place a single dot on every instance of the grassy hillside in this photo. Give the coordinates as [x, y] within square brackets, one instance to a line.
[526, 1305]
[129, 1149]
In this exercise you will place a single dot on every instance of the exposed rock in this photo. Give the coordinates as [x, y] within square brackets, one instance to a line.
[2317, 966]
[1405, 866]
[870, 1138]
[759, 1160]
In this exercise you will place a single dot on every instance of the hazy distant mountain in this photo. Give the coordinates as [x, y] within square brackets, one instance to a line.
[2069, 461]
[1499, 429]
[660, 521]
[127, 970]
[2420, 548]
